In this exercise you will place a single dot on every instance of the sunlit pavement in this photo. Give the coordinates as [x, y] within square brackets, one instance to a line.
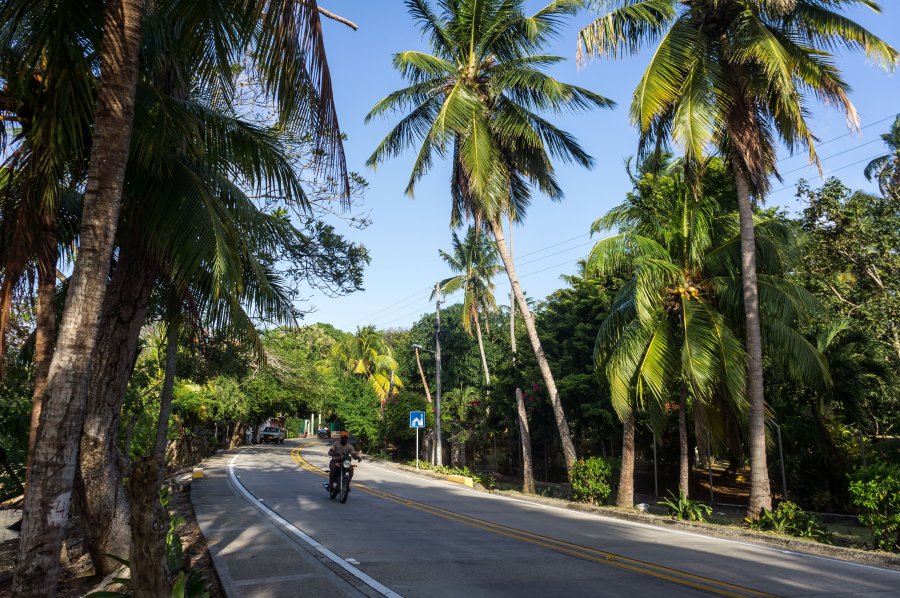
[415, 536]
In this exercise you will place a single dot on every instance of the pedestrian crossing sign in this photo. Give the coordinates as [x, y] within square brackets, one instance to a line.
[416, 419]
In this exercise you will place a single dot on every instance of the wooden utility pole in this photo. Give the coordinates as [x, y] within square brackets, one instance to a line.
[438, 448]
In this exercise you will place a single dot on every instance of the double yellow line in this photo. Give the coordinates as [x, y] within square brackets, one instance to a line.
[682, 578]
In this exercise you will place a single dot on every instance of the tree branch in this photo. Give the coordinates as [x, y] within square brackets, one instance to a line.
[839, 296]
[338, 18]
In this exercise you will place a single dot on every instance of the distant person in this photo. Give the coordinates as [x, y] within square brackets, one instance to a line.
[340, 450]
[249, 435]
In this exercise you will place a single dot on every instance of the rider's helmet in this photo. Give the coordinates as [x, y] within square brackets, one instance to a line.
[345, 434]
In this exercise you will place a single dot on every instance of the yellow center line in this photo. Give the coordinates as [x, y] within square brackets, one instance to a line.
[661, 572]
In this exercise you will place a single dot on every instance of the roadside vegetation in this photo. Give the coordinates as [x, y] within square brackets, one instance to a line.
[164, 200]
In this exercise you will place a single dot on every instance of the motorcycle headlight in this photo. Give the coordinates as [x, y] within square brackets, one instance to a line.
[346, 463]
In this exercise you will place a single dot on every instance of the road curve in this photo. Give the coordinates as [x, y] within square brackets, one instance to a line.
[415, 536]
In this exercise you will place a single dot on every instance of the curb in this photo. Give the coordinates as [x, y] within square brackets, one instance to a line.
[460, 479]
[875, 558]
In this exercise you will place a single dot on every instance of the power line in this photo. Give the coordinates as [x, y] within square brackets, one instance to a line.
[551, 246]
[869, 159]
[841, 153]
[412, 298]
[405, 302]
[871, 124]
[555, 253]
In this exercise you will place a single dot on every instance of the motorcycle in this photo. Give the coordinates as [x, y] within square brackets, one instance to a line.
[342, 488]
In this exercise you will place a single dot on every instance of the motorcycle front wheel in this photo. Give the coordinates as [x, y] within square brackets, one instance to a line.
[345, 491]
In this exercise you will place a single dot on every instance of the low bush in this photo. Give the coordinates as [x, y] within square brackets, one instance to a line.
[791, 520]
[592, 480]
[681, 507]
[875, 490]
[486, 480]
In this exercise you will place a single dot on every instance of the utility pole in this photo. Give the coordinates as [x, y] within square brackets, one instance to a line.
[512, 301]
[438, 453]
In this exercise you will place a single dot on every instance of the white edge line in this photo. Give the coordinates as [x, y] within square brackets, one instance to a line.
[290, 528]
[636, 523]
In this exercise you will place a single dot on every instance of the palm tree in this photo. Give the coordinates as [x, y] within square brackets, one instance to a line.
[670, 329]
[732, 75]
[288, 52]
[476, 99]
[193, 228]
[55, 450]
[476, 258]
[44, 163]
[367, 355]
[886, 168]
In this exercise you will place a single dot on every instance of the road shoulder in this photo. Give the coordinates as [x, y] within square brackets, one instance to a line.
[252, 556]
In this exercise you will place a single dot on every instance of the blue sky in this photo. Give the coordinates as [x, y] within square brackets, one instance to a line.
[406, 234]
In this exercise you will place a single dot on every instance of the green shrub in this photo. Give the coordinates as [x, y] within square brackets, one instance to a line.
[592, 480]
[486, 480]
[875, 490]
[681, 507]
[789, 519]
[174, 551]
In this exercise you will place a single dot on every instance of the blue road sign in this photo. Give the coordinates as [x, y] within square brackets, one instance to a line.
[416, 419]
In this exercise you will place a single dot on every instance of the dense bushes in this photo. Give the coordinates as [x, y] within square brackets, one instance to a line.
[875, 490]
[592, 480]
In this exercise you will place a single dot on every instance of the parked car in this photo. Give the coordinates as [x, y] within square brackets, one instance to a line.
[272, 434]
[324, 431]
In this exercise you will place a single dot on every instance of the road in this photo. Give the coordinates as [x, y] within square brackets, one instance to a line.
[408, 535]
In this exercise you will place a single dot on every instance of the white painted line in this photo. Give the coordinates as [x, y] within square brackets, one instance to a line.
[293, 530]
[650, 526]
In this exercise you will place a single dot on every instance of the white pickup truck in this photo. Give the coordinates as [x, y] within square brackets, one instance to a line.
[272, 434]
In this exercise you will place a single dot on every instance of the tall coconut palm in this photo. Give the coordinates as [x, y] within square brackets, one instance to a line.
[886, 169]
[185, 222]
[477, 99]
[288, 52]
[671, 332]
[732, 75]
[53, 459]
[475, 258]
[44, 138]
[665, 318]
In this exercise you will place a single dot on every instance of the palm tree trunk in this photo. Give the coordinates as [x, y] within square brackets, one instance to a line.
[422, 374]
[625, 495]
[166, 394]
[684, 479]
[49, 493]
[512, 302]
[525, 435]
[527, 459]
[760, 493]
[487, 373]
[563, 426]
[100, 488]
[45, 329]
[149, 520]
[16, 259]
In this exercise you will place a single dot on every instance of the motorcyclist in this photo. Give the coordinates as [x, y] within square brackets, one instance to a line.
[340, 450]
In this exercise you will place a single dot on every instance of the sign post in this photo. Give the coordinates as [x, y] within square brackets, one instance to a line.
[417, 420]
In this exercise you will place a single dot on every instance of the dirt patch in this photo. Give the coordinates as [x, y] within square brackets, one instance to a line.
[78, 576]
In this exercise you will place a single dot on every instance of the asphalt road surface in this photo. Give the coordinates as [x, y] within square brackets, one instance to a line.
[413, 536]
